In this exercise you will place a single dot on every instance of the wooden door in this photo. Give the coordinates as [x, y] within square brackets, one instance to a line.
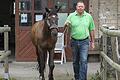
[27, 13]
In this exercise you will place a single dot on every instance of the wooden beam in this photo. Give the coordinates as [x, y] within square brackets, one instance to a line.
[4, 29]
[4, 54]
[110, 32]
[110, 62]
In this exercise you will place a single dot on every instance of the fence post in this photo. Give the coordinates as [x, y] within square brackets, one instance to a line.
[6, 65]
[104, 62]
[114, 62]
[115, 53]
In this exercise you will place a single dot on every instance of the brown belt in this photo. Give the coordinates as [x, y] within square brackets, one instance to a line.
[80, 39]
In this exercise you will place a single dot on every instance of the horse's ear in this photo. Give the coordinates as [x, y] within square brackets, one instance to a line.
[47, 10]
[56, 6]
[59, 8]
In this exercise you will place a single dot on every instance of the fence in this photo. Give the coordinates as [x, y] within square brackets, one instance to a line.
[110, 57]
[5, 53]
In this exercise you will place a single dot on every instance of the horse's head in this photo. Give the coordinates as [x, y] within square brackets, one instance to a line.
[51, 18]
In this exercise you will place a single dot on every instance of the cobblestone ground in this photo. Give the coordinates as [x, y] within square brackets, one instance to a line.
[28, 70]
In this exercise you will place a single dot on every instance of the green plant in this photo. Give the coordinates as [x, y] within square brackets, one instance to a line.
[96, 76]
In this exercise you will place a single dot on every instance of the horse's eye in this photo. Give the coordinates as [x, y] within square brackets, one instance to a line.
[53, 16]
[49, 17]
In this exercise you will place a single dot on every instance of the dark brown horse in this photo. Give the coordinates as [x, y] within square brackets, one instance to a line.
[44, 37]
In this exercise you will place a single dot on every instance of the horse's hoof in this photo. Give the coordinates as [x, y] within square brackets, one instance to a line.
[41, 78]
[51, 78]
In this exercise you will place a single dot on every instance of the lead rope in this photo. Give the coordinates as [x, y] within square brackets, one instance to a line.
[66, 39]
[66, 36]
[65, 30]
[68, 74]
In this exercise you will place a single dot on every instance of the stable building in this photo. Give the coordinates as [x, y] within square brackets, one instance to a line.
[20, 15]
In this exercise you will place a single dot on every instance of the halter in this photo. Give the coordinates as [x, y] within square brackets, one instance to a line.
[52, 21]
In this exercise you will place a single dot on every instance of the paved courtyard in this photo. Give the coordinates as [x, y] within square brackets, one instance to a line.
[28, 70]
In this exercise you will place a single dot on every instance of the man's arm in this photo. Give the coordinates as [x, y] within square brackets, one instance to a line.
[92, 39]
[92, 36]
[67, 24]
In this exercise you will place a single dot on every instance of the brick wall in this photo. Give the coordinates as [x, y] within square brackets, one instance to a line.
[119, 14]
[105, 12]
[93, 10]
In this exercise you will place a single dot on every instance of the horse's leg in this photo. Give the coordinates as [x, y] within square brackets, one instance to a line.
[41, 62]
[38, 57]
[38, 60]
[51, 64]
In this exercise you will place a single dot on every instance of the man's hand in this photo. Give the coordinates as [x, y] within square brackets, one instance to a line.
[67, 23]
[92, 45]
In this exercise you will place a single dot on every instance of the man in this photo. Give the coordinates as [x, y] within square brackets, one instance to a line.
[82, 34]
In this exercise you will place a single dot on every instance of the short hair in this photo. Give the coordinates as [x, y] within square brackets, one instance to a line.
[80, 1]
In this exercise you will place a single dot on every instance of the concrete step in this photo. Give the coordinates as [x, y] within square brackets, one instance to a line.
[28, 71]
[93, 56]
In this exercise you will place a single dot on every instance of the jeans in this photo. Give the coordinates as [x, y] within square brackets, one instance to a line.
[80, 58]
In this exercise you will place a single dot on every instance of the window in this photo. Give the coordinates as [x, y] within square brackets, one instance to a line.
[25, 5]
[72, 5]
[25, 19]
[37, 5]
[25, 16]
[38, 10]
[62, 18]
[63, 3]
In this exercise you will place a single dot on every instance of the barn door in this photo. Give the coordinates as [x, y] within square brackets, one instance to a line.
[27, 13]
[30, 11]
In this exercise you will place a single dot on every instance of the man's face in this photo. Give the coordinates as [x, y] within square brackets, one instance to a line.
[80, 7]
